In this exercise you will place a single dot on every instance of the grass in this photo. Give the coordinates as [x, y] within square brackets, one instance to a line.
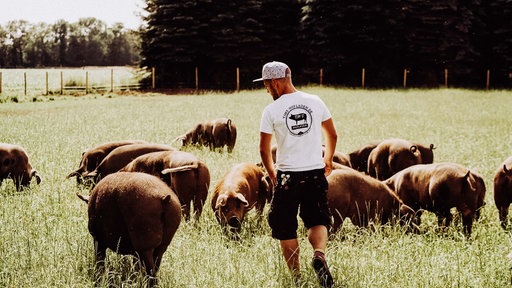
[13, 81]
[44, 240]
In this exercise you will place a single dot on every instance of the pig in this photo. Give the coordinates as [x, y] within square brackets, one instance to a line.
[188, 176]
[362, 199]
[391, 156]
[91, 158]
[132, 213]
[437, 188]
[14, 164]
[241, 189]
[427, 152]
[359, 158]
[215, 134]
[121, 156]
[503, 190]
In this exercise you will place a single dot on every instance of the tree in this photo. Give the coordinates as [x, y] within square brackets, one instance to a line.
[175, 40]
[497, 46]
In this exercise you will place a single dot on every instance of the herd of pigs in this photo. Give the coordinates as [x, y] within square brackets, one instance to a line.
[141, 191]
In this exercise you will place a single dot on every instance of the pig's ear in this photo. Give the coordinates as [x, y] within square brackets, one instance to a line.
[241, 197]
[221, 201]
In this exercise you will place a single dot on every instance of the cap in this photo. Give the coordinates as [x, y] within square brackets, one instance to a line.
[273, 70]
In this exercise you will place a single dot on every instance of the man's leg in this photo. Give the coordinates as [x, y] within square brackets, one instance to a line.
[318, 236]
[290, 249]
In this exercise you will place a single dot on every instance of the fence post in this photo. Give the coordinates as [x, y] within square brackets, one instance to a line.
[86, 82]
[46, 83]
[197, 80]
[61, 83]
[363, 78]
[488, 79]
[25, 82]
[111, 80]
[237, 79]
[405, 78]
[445, 78]
[0, 82]
[321, 76]
[153, 78]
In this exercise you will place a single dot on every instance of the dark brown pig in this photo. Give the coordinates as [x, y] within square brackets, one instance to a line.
[188, 176]
[439, 187]
[14, 164]
[91, 158]
[362, 199]
[391, 156]
[215, 133]
[121, 156]
[132, 214]
[359, 158]
[503, 190]
[240, 189]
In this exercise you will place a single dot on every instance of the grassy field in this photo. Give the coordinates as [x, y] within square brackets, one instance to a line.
[44, 240]
[12, 81]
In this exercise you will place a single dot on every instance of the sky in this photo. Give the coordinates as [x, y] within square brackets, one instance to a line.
[50, 11]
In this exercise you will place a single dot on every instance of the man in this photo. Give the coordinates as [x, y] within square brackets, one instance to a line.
[297, 119]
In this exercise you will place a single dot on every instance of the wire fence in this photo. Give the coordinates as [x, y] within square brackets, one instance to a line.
[64, 81]
[85, 80]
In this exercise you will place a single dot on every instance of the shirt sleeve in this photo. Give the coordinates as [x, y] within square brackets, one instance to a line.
[266, 122]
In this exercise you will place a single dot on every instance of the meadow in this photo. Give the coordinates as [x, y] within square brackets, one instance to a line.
[17, 84]
[44, 241]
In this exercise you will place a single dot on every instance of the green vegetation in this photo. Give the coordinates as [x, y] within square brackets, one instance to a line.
[44, 240]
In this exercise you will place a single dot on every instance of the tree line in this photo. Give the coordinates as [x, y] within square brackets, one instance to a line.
[87, 42]
[386, 38]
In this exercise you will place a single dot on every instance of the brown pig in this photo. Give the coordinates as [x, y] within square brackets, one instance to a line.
[359, 158]
[91, 158]
[391, 156]
[14, 164]
[361, 198]
[133, 214]
[121, 156]
[503, 190]
[241, 188]
[215, 133]
[437, 188]
[188, 176]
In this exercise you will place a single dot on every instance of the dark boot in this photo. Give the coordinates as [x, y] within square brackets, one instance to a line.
[322, 270]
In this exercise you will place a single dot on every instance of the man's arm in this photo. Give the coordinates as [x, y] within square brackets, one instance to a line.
[266, 156]
[331, 137]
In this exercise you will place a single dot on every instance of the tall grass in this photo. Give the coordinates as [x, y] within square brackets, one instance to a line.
[44, 240]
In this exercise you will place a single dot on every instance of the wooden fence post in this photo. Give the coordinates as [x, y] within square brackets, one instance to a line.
[197, 80]
[46, 83]
[61, 83]
[111, 80]
[321, 76]
[153, 78]
[363, 78]
[86, 82]
[237, 79]
[0, 82]
[488, 79]
[25, 82]
[445, 78]
[405, 78]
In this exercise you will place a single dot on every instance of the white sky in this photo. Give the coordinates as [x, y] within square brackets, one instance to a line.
[50, 11]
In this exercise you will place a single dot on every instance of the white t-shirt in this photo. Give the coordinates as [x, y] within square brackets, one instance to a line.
[296, 121]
